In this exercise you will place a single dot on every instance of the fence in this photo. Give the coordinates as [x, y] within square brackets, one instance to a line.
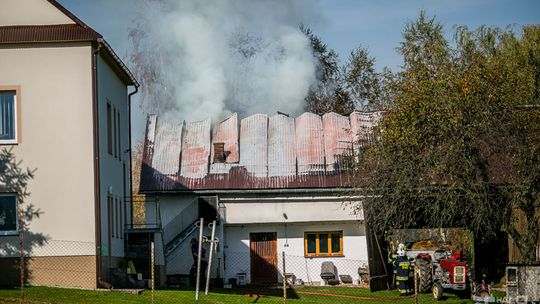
[235, 277]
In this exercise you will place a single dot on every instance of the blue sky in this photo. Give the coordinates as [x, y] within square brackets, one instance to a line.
[342, 24]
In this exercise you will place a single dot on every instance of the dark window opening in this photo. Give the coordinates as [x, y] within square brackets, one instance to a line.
[219, 153]
[118, 135]
[109, 129]
[8, 214]
[114, 133]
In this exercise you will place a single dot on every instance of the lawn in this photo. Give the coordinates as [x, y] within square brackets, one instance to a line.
[50, 295]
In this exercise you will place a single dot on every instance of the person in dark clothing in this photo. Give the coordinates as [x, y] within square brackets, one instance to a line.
[402, 267]
[204, 263]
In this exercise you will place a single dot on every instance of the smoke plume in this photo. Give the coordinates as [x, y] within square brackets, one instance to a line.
[199, 59]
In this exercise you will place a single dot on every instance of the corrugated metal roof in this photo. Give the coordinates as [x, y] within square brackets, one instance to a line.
[362, 127]
[281, 146]
[226, 132]
[270, 153]
[196, 149]
[253, 144]
[167, 147]
[309, 144]
[337, 139]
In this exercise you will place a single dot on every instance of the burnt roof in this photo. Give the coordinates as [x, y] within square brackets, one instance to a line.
[77, 32]
[260, 152]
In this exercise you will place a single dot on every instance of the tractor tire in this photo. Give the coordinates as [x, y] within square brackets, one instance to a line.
[423, 276]
[437, 291]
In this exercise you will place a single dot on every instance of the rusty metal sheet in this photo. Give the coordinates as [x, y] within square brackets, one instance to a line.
[253, 144]
[337, 139]
[167, 146]
[226, 132]
[195, 149]
[281, 146]
[362, 124]
[309, 143]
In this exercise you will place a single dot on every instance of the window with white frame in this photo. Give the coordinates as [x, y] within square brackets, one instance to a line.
[8, 117]
[8, 214]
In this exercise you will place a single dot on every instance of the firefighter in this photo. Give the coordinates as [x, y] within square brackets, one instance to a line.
[204, 263]
[402, 267]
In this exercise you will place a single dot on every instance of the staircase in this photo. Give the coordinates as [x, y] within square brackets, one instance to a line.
[180, 238]
[181, 227]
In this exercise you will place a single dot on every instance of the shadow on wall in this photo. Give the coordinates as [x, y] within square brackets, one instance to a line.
[16, 214]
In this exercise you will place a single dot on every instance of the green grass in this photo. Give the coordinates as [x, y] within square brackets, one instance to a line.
[50, 295]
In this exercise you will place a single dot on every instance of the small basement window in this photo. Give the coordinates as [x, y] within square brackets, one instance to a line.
[8, 214]
[323, 243]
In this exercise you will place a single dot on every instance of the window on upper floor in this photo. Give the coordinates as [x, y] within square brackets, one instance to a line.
[109, 129]
[8, 117]
[118, 135]
[8, 214]
[325, 243]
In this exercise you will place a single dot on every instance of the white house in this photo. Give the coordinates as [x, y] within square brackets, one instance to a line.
[275, 185]
[64, 111]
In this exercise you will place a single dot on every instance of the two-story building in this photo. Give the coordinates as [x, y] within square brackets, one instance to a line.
[275, 185]
[64, 111]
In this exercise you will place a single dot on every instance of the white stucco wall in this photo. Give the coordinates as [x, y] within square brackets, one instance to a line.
[56, 140]
[291, 241]
[114, 170]
[296, 209]
[30, 12]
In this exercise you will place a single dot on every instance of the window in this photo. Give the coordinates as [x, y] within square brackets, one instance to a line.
[326, 243]
[8, 117]
[118, 135]
[109, 129]
[114, 133]
[8, 214]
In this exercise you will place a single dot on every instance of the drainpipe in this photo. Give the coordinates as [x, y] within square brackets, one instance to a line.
[97, 181]
[130, 147]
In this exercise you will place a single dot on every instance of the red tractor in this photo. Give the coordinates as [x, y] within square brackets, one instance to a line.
[437, 270]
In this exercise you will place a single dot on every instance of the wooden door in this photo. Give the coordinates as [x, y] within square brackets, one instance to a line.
[263, 257]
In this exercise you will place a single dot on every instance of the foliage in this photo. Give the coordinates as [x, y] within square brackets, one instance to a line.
[343, 88]
[459, 146]
[138, 200]
[15, 179]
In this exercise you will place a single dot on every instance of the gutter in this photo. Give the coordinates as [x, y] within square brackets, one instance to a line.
[257, 191]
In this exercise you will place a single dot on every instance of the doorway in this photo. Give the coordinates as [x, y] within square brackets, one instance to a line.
[263, 257]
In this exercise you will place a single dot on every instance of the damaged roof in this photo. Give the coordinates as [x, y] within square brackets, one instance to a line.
[259, 152]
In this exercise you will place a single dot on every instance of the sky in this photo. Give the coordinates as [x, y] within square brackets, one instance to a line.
[342, 24]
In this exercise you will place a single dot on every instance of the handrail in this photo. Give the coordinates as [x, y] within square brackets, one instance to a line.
[180, 222]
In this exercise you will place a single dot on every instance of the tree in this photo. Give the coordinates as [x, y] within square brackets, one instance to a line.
[15, 179]
[457, 148]
[353, 85]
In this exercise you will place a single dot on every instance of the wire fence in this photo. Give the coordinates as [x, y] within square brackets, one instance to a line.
[235, 277]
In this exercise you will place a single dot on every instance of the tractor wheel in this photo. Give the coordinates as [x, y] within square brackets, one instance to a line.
[422, 275]
[437, 291]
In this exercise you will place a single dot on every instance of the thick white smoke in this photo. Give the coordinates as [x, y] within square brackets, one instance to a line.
[209, 58]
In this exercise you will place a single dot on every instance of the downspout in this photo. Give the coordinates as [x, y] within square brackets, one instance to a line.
[130, 147]
[97, 180]
[131, 155]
